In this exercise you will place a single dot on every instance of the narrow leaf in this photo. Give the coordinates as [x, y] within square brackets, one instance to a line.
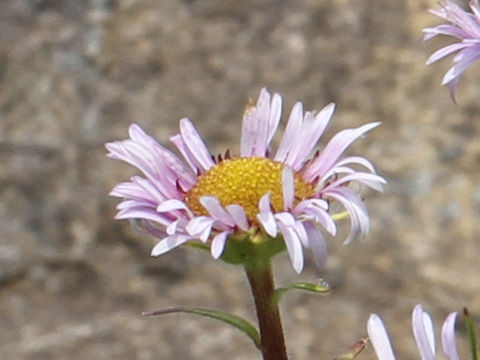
[234, 320]
[320, 288]
[471, 334]
[353, 350]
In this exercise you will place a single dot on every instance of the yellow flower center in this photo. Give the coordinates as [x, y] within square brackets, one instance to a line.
[244, 181]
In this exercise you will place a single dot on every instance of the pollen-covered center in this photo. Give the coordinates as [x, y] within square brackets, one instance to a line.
[244, 181]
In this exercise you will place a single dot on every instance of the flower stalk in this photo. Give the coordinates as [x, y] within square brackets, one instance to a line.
[260, 278]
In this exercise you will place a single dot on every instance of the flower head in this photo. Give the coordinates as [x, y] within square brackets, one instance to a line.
[424, 336]
[464, 26]
[259, 195]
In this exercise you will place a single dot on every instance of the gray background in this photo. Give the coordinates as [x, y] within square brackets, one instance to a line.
[75, 73]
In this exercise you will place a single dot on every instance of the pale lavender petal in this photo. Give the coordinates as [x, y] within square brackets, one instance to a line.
[310, 210]
[444, 30]
[149, 227]
[265, 217]
[218, 244]
[153, 193]
[423, 331]
[459, 68]
[137, 134]
[162, 167]
[266, 116]
[169, 243]
[449, 343]
[259, 124]
[172, 228]
[175, 171]
[173, 204]
[288, 187]
[291, 131]
[131, 191]
[469, 23]
[459, 18]
[195, 145]
[178, 226]
[356, 160]
[441, 13]
[286, 218]
[200, 227]
[321, 203]
[334, 150]
[264, 204]
[371, 180]
[293, 244]
[452, 88]
[249, 130]
[156, 151]
[141, 158]
[302, 233]
[358, 214]
[142, 213]
[261, 113]
[317, 243]
[334, 173]
[445, 51]
[379, 338]
[216, 210]
[179, 142]
[312, 129]
[267, 220]
[239, 216]
[275, 114]
[130, 204]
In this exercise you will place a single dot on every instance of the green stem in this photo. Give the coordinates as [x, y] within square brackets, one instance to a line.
[260, 277]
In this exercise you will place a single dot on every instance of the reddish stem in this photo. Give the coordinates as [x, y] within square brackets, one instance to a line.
[260, 277]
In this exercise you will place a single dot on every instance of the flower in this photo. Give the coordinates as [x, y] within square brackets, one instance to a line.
[464, 26]
[422, 330]
[280, 195]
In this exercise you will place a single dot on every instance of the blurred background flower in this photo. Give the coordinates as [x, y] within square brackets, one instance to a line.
[463, 25]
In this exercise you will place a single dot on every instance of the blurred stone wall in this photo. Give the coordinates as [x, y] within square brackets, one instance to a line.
[75, 73]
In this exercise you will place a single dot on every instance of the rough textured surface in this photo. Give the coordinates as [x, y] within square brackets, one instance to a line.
[76, 73]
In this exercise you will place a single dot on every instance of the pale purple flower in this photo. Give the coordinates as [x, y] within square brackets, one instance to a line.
[423, 332]
[283, 193]
[463, 25]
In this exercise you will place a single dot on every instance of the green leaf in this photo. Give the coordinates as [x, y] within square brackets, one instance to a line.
[234, 320]
[320, 288]
[471, 334]
[353, 351]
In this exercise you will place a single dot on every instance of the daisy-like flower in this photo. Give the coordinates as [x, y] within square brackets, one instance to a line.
[463, 25]
[423, 332]
[257, 197]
